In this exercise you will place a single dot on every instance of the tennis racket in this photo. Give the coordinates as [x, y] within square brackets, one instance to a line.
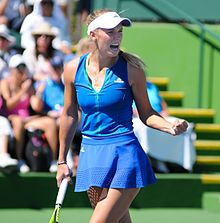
[60, 196]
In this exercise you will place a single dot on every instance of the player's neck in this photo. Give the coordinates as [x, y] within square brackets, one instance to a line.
[100, 61]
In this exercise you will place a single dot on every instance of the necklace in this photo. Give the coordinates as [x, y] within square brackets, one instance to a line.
[96, 80]
[94, 77]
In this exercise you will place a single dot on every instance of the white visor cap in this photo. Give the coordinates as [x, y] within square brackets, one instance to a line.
[108, 20]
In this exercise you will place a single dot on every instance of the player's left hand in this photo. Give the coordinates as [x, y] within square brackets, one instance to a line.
[179, 126]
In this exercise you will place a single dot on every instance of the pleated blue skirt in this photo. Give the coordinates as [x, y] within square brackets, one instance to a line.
[115, 162]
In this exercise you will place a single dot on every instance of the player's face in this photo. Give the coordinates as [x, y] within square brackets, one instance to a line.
[109, 40]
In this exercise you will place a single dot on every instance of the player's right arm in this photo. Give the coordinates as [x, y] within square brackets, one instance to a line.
[68, 120]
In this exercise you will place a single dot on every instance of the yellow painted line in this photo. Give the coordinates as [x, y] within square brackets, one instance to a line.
[193, 112]
[207, 144]
[172, 94]
[210, 178]
[159, 80]
[212, 160]
[200, 127]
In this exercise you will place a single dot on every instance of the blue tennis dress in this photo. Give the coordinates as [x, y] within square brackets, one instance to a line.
[110, 155]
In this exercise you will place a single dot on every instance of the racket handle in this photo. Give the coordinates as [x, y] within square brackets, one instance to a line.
[62, 191]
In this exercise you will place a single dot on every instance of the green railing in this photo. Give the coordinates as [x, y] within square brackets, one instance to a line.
[161, 11]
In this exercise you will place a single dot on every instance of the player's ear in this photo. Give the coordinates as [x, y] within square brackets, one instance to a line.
[92, 35]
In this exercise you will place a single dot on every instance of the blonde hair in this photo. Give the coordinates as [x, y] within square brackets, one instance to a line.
[130, 58]
[85, 45]
[134, 60]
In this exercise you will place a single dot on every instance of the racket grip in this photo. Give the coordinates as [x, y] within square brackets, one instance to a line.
[62, 191]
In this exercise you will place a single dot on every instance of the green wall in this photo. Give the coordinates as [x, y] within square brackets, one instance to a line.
[171, 51]
[39, 190]
[204, 10]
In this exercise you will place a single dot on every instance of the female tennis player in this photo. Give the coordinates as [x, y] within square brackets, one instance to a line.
[112, 165]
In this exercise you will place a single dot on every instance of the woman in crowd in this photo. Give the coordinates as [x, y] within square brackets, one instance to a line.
[18, 91]
[38, 58]
[47, 11]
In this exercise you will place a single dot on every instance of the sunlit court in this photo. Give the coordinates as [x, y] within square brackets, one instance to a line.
[125, 99]
[81, 215]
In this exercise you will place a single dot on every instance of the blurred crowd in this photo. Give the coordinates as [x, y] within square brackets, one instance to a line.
[36, 40]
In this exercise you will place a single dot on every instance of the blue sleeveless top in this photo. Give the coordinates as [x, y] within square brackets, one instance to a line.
[107, 112]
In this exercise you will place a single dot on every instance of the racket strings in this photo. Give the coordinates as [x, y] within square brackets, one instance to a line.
[96, 194]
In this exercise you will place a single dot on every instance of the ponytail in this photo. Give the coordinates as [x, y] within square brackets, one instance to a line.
[134, 60]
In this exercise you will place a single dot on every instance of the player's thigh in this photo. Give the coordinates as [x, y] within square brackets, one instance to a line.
[115, 206]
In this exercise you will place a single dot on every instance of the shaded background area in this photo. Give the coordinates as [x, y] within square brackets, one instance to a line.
[39, 190]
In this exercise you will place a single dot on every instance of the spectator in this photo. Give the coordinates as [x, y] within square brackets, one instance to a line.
[7, 164]
[30, 6]
[50, 92]
[82, 10]
[50, 99]
[66, 7]
[6, 49]
[142, 131]
[12, 13]
[157, 102]
[18, 93]
[159, 105]
[49, 11]
[38, 59]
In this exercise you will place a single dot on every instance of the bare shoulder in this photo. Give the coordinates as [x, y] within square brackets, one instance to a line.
[135, 74]
[70, 70]
[5, 87]
[4, 83]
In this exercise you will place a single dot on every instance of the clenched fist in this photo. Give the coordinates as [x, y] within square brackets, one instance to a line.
[179, 126]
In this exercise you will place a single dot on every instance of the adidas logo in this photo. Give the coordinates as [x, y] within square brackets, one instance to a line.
[118, 80]
[82, 150]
